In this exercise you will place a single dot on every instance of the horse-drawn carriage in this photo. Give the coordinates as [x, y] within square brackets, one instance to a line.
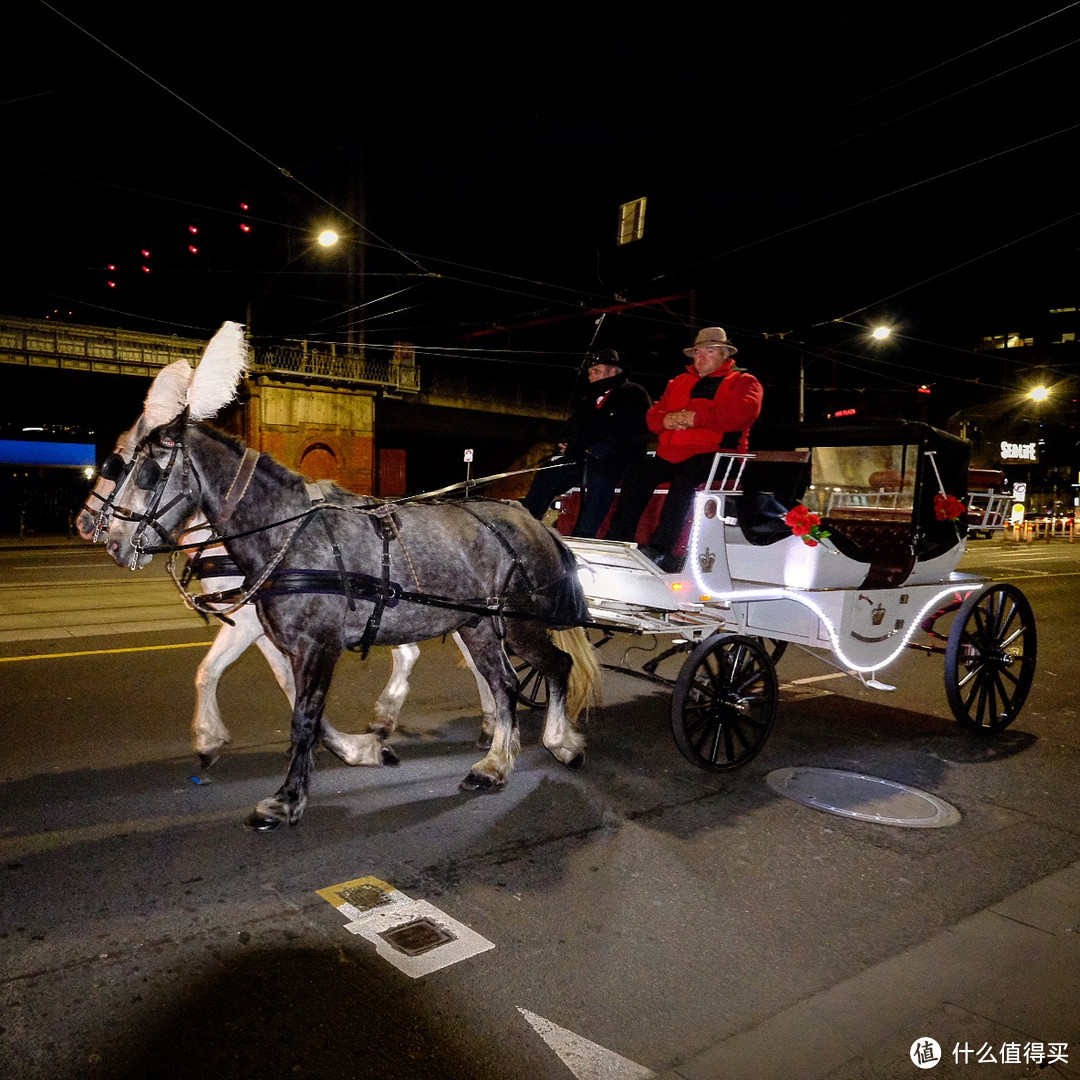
[846, 547]
[874, 576]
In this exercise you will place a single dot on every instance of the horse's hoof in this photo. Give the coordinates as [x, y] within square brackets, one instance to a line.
[263, 822]
[573, 764]
[389, 757]
[206, 760]
[481, 784]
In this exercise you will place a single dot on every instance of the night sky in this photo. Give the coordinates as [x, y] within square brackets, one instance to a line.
[908, 162]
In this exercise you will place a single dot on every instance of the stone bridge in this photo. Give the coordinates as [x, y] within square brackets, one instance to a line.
[313, 406]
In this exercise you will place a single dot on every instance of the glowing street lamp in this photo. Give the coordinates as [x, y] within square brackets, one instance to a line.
[327, 238]
[880, 333]
[1038, 393]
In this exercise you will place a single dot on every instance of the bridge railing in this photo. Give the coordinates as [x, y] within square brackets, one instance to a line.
[37, 343]
[328, 362]
[89, 348]
[43, 344]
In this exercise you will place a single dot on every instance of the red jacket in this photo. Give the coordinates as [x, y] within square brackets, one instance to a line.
[726, 404]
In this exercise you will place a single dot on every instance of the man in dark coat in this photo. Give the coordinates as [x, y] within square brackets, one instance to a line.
[605, 431]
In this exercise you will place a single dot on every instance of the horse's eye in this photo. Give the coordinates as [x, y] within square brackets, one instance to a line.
[148, 475]
[113, 468]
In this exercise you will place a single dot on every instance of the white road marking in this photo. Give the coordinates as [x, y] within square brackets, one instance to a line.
[585, 1059]
[818, 678]
[412, 935]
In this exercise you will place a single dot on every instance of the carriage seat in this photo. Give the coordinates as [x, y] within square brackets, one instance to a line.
[768, 480]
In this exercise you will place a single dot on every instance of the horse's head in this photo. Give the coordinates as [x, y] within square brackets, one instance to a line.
[96, 513]
[154, 494]
[132, 471]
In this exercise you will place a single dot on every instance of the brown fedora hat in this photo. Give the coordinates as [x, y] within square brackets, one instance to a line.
[711, 335]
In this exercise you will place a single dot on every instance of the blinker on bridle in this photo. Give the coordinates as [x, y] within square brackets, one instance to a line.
[147, 476]
[115, 469]
[152, 477]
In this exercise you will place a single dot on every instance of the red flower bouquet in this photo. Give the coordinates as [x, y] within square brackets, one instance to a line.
[806, 525]
[948, 508]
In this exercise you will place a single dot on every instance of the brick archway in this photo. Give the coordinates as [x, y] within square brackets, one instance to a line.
[320, 461]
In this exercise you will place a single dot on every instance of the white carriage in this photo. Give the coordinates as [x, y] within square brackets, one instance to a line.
[872, 588]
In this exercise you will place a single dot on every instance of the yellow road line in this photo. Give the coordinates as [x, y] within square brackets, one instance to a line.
[105, 652]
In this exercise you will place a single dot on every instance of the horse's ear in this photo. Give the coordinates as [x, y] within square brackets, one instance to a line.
[216, 378]
[173, 431]
[168, 394]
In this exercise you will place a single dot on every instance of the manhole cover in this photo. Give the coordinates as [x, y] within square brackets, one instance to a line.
[868, 798]
[416, 937]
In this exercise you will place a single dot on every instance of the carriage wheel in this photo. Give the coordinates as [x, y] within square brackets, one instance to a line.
[531, 685]
[990, 658]
[775, 648]
[724, 702]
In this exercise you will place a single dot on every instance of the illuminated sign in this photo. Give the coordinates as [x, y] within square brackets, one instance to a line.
[24, 452]
[1011, 451]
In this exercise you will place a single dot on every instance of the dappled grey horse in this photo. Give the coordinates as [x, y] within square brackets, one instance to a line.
[216, 573]
[330, 570]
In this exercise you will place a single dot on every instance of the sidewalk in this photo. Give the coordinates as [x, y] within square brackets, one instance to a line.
[988, 987]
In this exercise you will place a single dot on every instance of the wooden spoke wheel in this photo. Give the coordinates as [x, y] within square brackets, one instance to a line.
[990, 658]
[724, 702]
[774, 648]
[531, 685]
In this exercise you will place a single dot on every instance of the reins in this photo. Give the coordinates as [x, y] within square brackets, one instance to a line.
[382, 591]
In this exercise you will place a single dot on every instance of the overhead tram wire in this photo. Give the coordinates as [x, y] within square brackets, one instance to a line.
[865, 202]
[232, 135]
[580, 295]
[413, 260]
[944, 63]
[911, 78]
[952, 269]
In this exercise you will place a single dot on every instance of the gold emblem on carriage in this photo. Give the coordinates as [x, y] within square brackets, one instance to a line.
[877, 615]
[707, 560]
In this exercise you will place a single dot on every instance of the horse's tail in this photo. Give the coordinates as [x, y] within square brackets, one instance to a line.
[584, 690]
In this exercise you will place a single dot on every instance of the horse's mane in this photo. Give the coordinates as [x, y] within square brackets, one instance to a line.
[277, 471]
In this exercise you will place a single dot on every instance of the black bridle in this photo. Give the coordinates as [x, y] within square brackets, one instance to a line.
[148, 475]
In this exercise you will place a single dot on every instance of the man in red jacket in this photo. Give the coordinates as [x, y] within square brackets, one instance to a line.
[711, 406]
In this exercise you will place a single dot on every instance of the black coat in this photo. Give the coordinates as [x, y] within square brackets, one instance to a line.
[616, 427]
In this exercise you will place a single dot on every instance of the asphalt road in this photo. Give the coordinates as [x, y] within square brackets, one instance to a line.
[654, 910]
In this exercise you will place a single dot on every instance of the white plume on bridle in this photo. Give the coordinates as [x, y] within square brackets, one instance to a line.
[220, 369]
[168, 394]
[204, 390]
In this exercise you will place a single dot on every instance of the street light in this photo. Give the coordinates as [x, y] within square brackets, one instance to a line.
[326, 237]
[880, 333]
[1038, 393]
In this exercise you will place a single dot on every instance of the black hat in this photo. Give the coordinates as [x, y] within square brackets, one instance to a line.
[605, 356]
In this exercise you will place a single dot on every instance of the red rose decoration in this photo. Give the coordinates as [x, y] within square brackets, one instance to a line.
[948, 508]
[805, 524]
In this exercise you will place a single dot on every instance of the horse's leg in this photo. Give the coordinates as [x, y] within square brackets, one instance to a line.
[390, 702]
[487, 653]
[363, 749]
[313, 668]
[532, 642]
[208, 731]
[487, 701]
[388, 705]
